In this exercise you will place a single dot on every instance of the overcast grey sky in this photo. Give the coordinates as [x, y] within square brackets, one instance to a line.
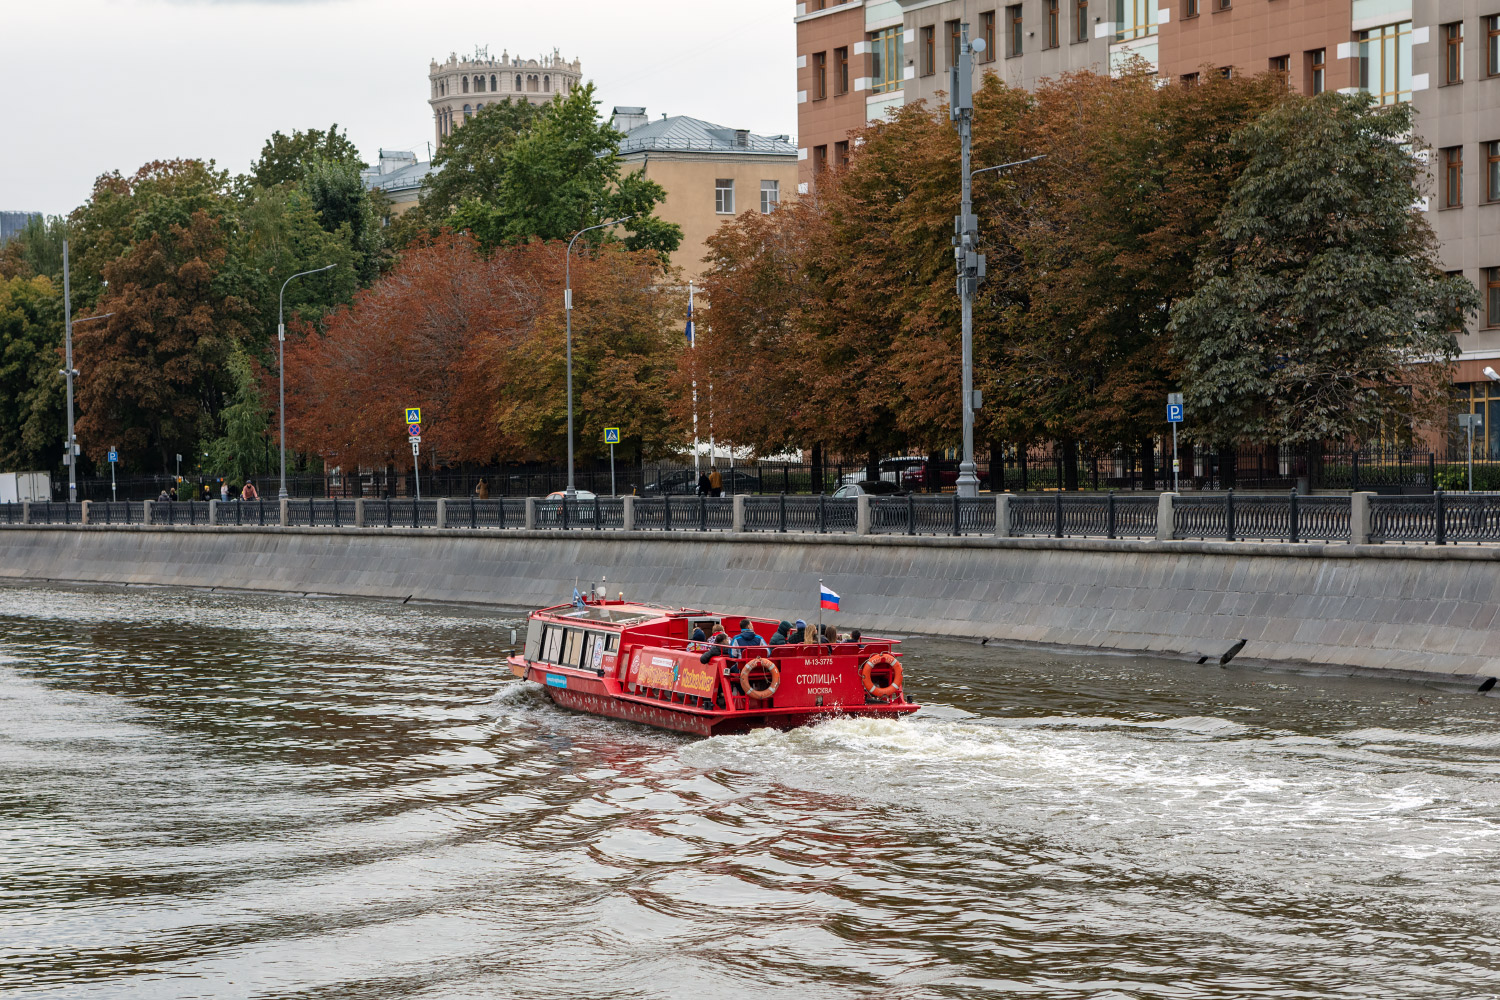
[88, 86]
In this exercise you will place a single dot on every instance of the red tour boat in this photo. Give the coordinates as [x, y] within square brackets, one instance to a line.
[638, 662]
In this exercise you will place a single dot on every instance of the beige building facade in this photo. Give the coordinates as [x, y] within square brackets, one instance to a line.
[710, 174]
[462, 86]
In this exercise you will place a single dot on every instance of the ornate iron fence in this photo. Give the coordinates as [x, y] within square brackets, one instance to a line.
[1108, 516]
[947, 515]
[117, 512]
[1437, 519]
[819, 514]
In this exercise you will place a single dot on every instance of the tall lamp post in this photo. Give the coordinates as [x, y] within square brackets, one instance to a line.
[970, 262]
[71, 373]
[281, 365]
[571, 493]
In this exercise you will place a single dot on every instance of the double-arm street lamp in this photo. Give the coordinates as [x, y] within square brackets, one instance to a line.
[70, 373]
[281, 365]
[966, 238]
[568, 309]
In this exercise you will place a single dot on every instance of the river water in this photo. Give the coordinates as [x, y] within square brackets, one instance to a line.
[210, 795]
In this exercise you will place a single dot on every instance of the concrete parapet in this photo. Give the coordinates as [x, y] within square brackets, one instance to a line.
[359, 513]
[738, 514]
[87, 506]
[442, 513]
[861, 515]
[25, 511]
[1409, 608]
[285, 518]
[531, 513]
[1359, 518]
[213, 513]
[1166, 517]
[148, 511]
[1002, 514]
[628, 513]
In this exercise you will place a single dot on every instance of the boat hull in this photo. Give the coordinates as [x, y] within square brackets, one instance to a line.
[710, 724]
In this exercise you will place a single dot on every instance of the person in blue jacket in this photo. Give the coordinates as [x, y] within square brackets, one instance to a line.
[746, 638]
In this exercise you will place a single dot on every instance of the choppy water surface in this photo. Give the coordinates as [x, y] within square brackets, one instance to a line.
[228, 796]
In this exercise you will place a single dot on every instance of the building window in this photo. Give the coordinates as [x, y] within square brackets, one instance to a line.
[1453, 53]
[479, 85]
[885, 60]
[468, 112]
[928, 54]
[1385, 62]
[1190, 79]
[1281, 65]
[1492, 171]
[466, 85]
[1013, 38]
[955, 42]
[547, 84]
[1226, 72]
[1189, 8]
[1317, 71]
[724, 196]
[518, 83]
[1054, 30]
[1453, 177]
[820, 159]
[1222, 4]
[1492, 296]
[841, 70]
[494, 82]
[820, 75]
[841, 154]
[1134, 19]
[987, 32]
[1081, 20]
[770, 196]
[1492, 45]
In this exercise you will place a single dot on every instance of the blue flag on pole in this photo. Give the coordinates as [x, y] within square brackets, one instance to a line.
[690, 323]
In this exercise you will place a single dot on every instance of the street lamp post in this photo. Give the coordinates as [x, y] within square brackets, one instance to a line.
[71, 373]
[281, 366]
[970, 263]
[572, 493]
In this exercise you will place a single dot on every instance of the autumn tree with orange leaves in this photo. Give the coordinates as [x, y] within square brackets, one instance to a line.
[477, 340]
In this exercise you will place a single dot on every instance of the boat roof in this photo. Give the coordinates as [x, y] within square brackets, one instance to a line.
[621, 613]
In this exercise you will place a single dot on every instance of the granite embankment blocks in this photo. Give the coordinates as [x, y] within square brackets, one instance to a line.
[1378, 607]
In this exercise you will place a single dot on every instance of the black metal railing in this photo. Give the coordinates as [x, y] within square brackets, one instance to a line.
[1061, 516]
[1437, 519]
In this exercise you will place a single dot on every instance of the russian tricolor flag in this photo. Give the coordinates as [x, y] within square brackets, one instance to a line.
[828, 599]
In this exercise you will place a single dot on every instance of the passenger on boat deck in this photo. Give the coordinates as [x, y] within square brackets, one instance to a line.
[799, 633]
[746, 638]
[782, 635]
[854, 637]
[699, 641]
[716, 646]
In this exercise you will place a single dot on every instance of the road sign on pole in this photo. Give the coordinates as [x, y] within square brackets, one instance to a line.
[612, 438]
[1174, 417]
[114, 456]
[415, 430]
[414, 414]
[416, 448]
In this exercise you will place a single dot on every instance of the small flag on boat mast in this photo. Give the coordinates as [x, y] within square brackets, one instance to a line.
[827, 599]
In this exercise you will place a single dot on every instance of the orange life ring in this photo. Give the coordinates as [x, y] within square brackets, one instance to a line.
[756, 664]
[882, 660]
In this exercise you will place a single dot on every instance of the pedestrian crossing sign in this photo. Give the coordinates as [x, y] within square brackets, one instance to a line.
[611, 435]
[414, 414]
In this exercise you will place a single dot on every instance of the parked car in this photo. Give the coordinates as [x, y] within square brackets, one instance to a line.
[890, 470]
[918, 479]
[684, 482]
[579, 494]
[868, 488]
[550, 511]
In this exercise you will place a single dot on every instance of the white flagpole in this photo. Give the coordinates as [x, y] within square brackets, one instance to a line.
[694, 345]
[820, 609]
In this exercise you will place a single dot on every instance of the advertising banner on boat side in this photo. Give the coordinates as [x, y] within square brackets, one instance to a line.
[671, 671]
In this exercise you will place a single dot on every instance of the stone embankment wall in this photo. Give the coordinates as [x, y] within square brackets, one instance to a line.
[1415, 608]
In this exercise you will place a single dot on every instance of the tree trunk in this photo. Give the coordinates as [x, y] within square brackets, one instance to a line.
[934, 475]
[872, 464]
[1148, 464]
[817, 469]
[1229, 462]
[1021, 464]
[1070, 464]
[996, 479]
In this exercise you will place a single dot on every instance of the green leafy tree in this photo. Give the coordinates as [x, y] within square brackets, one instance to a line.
[344, 208]
[31, 422]
[37, 249]
[283, 158]
[1320, 305]
[471, 165]
[242, 451]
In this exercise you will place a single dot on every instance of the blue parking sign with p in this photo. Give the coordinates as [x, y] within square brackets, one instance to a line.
[1174, 413]
[114, 456]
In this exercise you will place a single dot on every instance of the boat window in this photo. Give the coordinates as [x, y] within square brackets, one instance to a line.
[614, 642]
[573, 649]
[552, 644]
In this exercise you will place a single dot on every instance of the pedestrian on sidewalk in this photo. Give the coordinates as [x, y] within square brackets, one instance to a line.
[715, 483]
[482, 491]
